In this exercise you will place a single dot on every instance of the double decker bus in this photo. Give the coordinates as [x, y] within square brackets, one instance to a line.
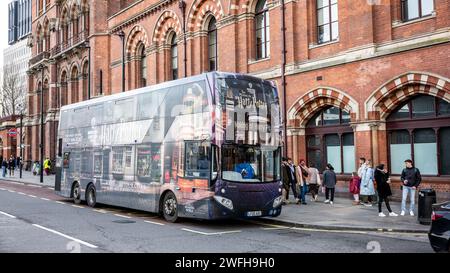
[207, 146]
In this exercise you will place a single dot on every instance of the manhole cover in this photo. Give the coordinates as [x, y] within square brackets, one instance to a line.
[124, 221]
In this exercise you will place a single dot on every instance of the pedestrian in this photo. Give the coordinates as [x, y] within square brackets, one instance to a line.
[293, 180]
[47, 166]
[4, 167]
[367, 187]
[329, 182]
[411, 179]
[286, 180]
[36, 168]
[354, 188]
[362, 166]
[302, 174]
[11, 165]
[382, 179]
[314, 182]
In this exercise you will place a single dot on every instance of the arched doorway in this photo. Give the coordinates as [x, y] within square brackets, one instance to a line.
[419, 129]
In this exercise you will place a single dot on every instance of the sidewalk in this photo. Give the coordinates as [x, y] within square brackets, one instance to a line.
[340, 216]
[29, 178]
[344, 216]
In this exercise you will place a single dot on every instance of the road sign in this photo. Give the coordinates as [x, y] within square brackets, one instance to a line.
[12, 132]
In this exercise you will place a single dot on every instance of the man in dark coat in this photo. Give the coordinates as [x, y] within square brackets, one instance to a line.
[384, 190]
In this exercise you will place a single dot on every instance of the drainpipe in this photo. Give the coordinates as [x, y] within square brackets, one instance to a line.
[182, 6]
[283, 77]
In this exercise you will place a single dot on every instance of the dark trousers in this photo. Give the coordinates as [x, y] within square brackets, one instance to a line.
[380, 202]
[293, 185]
[327, 194]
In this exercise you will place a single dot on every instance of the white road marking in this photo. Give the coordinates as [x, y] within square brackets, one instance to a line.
[21, 193]
[45, 199]
[66, 236]
[59, 202]
[155, 223]
[2, 189]
[11, 191]
[9, 215]
[76, 206]
[211, 233]
[123, 216]
[33, 196]
[100, 210]
[36, 186]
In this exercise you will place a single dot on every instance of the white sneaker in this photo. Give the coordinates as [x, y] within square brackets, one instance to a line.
[367, 204]
[381, 214]
[331, 203]
[315, 198]
[402, 213]
[327, 201]
[411, 213]
[393, 214]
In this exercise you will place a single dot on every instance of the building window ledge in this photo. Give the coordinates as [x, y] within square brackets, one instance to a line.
[315, 45]
[253, 61]
[396, 24]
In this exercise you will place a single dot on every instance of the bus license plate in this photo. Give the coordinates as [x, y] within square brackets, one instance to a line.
[254, 213]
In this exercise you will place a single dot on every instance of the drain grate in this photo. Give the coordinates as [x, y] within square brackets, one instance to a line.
[124, 221]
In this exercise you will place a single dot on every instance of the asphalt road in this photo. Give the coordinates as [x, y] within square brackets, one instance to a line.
[34, 219]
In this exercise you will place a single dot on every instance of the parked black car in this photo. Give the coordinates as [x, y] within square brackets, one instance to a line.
[439, 234]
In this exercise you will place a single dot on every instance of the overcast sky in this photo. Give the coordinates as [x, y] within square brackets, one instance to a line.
[3, 27]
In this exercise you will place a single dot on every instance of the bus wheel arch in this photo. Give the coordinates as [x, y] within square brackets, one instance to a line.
[91, 195]
[75, 193]
[168, 206]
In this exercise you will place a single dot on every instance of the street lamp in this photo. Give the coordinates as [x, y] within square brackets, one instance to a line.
[86, 45]
[42, 125]
[21, 141]
[121, 34]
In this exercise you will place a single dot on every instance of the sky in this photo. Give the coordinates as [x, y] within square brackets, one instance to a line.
[3, 28]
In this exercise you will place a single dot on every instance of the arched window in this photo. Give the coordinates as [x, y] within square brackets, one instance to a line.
[85, 80]
[212, 44]
[142, 66]
[45, 94]
[63, 90]
[74, 85]
[330, 139]
[174, 56]
[262, 30]
[419, 129]
[86, 21]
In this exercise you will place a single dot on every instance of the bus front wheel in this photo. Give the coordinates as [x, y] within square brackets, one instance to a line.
[76, 193]
[170, 207]
[91, 196]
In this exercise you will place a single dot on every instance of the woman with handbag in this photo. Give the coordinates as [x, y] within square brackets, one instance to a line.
[384, 190]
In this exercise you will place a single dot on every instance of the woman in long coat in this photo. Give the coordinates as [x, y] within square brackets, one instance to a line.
[367, 187]
[384, 190]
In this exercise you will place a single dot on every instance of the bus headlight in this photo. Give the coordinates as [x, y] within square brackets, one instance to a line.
[277, 201]
[224, 202]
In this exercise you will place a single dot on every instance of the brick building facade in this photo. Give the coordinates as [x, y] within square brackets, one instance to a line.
[354, 71]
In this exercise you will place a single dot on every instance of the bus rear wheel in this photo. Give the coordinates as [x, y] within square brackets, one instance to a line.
[91, 196]
[76, 193]
[170, 207]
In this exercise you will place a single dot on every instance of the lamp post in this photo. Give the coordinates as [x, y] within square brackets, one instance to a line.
[182, 6]
[21, 142]
[86, 45]
[121, 34]
[41, 145]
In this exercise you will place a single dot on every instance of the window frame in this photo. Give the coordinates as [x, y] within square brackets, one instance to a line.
[322, 131]
[330, 23]
[412, 124]
[210, 32]
[404, 11]
[173, 57]
[264, 15]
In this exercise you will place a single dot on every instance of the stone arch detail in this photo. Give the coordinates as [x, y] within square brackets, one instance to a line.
[199, 11]
[167, 21]
[137, 35]
[386, 98]
[311, 102]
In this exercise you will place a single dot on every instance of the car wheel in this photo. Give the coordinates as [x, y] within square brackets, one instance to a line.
[170, 207]
[76, 193]
[91, 196]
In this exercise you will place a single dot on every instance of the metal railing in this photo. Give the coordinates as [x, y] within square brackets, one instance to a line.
[41, 56]
[70, 43]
